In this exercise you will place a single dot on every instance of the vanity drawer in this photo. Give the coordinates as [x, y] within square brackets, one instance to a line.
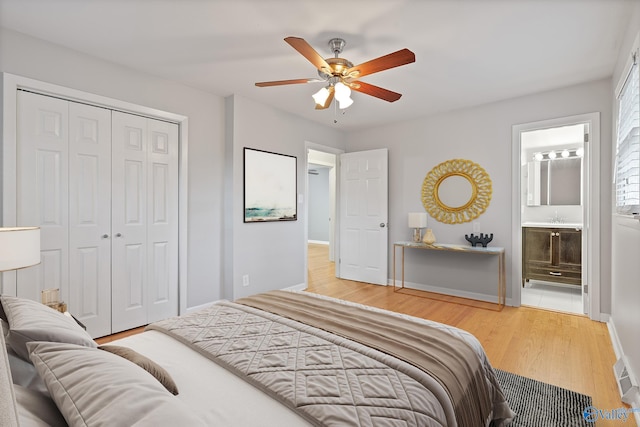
[550, 274]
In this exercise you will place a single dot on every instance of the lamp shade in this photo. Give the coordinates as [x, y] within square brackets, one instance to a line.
[320, 97]
[417, 219]
[19, 247]
[343, 95]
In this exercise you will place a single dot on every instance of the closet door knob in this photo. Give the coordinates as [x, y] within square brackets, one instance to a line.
[105, 236]
[118, 234]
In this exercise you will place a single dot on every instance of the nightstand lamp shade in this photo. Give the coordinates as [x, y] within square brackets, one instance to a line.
[417, 221]
[19, 247]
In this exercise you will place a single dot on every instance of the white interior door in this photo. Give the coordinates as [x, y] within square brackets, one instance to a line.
[42, 190]
[90, 217]
[364, 216]
[144, 220]
[129, 221]
[162, 219]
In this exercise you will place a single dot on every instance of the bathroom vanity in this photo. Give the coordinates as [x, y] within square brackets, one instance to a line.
[552, 252]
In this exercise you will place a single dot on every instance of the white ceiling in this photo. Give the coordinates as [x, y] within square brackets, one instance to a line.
[468, 52]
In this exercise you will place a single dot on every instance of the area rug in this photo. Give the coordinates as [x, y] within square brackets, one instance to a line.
[542, 405]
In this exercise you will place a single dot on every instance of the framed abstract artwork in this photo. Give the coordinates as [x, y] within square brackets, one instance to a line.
[270, 186]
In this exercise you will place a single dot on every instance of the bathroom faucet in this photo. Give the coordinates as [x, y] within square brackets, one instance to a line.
[557, 219]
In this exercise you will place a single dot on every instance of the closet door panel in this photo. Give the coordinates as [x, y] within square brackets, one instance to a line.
[162, 219]
[42, 197]
[129, 221]
[90, 217]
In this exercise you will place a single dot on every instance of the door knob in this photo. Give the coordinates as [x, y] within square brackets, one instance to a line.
[105, 236]
[382, 224]
[118, 234]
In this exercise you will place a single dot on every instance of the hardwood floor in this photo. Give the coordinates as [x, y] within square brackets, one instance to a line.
[566, 350]
[109, 338]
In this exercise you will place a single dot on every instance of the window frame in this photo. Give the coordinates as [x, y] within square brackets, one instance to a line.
[630, 73]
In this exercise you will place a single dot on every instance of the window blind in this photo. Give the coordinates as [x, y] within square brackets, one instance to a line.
[628, 145]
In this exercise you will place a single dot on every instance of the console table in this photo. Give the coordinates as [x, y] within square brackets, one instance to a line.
[494, 250]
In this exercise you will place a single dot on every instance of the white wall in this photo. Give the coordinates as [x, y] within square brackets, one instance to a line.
[481, 134]
[271, 254]
[625, 291]
[37, 59]
[319, 205]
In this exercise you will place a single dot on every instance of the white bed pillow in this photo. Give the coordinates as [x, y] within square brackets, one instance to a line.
[31, 321]
[97, 388]
[36, 409]
[24, 373]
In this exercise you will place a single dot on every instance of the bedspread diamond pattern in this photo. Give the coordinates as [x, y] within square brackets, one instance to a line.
[326, 382]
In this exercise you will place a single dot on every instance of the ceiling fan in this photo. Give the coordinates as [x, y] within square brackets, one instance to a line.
[341, 75]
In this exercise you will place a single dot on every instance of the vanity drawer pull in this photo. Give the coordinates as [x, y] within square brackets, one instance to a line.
[553, 273]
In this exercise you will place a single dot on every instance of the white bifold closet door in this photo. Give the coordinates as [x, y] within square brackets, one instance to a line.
[144, 220]
[102, 185]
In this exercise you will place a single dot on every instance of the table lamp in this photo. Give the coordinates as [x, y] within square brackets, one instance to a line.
[417, 221]
[19, 247]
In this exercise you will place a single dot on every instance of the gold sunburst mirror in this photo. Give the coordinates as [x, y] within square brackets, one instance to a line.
[456, 191]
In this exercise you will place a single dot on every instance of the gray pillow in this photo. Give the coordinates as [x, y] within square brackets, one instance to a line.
[5, 327]
[145, 363]
[3, 316]
[31, 321]
[97, 388]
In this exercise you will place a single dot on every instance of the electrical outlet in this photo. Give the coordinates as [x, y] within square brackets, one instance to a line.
[245, 280]
[476, 226]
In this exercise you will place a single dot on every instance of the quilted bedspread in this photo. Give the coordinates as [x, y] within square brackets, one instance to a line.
[332, 380]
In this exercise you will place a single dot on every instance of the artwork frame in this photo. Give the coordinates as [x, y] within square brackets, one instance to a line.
[270, 186]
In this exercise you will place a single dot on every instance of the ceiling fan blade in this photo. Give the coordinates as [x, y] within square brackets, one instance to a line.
[376, 91]
[285, 82]
[332, 93]
[395, 59]
[308, 52]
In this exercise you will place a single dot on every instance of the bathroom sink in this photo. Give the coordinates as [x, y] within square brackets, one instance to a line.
[552, 224]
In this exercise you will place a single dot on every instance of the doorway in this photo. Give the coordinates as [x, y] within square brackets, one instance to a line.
[555, 193]
[321, 187]
[360, 214]
[552, 216]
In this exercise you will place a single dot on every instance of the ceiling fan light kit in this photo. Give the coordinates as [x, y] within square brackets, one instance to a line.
[342, 76]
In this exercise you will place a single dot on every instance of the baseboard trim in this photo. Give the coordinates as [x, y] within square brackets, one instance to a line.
[617, 349]
[452, 292]
[300, 287]
[198, 307]
[318, 242]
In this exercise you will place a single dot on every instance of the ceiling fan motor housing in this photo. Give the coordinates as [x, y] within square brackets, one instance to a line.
[337, 45]
[338, 67]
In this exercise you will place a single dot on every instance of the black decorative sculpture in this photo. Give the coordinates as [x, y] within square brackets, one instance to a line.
[484, 239]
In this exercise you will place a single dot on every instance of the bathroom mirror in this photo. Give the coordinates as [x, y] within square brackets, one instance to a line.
[554, 182]
[456, 191]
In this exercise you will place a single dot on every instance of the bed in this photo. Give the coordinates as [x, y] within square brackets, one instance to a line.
[281, 358]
